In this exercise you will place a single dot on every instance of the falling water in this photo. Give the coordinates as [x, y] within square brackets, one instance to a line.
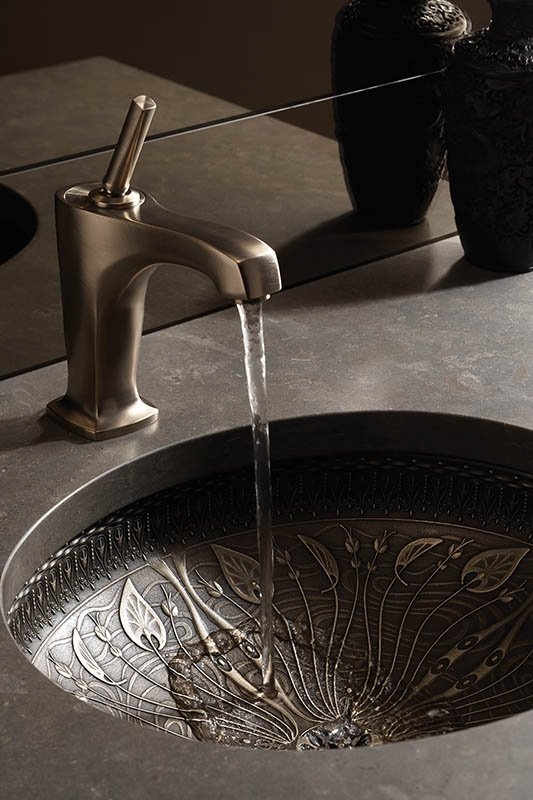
[251, 315]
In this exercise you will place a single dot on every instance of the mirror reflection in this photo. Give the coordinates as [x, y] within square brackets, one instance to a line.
[67, 82]
[330, 183]
[266, 176]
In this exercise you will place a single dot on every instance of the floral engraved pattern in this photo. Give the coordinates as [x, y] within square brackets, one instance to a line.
[241, 572]
[376, 659]
[324, 558]
[139, 620]
[391, 620]
[492, 569]
[411, 552]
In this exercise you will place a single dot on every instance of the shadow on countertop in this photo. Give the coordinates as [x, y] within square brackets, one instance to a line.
[303, 261]
[354, 243]
[463, 273]
[19, 432]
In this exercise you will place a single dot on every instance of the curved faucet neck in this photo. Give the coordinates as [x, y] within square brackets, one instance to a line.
[241, 266]
[106, 257]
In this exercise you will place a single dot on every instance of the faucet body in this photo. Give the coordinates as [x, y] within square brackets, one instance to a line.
[107, 253]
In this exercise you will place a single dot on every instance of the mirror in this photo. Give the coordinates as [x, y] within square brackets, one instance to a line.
[68, 71]
[263, 175]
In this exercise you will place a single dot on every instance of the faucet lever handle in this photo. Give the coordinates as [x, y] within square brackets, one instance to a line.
[116, 182]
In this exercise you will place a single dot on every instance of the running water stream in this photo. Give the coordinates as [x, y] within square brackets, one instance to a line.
[251, 315]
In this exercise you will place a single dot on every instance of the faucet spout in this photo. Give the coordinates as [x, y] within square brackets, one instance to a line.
[242, 267]
[107, 253]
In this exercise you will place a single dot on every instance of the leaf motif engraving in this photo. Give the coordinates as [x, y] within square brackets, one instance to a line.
[492, 569]
[411, 552]
[87, 661]
[140, 620]
[326, 560]
[62, 669]
[241, 572]
[214, 589]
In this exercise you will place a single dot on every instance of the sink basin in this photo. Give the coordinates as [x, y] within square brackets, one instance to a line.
[18, 223]
[402, 587]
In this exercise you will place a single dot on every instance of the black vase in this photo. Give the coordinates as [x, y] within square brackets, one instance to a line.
[489, 124]
[391, 139]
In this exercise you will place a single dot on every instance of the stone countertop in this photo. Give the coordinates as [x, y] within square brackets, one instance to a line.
[421, 331]
[54, 111]
[264, 176]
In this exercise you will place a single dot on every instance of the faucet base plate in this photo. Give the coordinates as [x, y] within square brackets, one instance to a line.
[137, 415]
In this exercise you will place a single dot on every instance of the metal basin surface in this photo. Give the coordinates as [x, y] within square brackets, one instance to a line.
[403, 602]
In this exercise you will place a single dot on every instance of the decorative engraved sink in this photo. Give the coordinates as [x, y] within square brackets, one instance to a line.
[18, 223]
[403, 603]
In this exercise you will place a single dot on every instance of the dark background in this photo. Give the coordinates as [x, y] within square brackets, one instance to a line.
[257, 53]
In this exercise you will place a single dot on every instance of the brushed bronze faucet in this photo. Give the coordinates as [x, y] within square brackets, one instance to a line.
[111, 237]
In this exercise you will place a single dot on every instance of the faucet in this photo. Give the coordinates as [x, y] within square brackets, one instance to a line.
[111, 237]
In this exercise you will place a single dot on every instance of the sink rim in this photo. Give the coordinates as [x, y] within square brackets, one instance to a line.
[509, 446]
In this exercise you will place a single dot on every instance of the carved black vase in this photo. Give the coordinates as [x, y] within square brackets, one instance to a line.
[391, 140]
[489, 122]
